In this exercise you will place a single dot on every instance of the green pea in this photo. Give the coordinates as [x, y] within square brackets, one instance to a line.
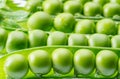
[107, 62]
[57, 38]
[92, 9]
[84, 61]
[99, 40]
[85, 27]
[64, 22]
[111, 9]
[39, 20]
[52, 6]
[115, 41]
[72, 7]
[62, 60]
[3, 38]
[106, 26]
[40, 62]
[16, 66]
[77, 39]
[37, 38]
[16, 40]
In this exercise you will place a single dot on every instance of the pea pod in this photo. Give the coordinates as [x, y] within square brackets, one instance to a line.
[94, 72]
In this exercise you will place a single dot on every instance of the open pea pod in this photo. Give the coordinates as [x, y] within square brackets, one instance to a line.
[78, 69]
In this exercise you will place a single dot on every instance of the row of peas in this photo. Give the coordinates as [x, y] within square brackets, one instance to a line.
[62, 61]
[17, 40]
[107, 8]
[66, 22]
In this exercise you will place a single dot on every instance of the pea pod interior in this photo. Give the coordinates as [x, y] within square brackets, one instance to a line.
[52, 74]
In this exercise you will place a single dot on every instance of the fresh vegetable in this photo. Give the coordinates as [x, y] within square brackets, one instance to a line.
[106, 26]
[39, 20]
[64, 22]
[85, 27]
[107, 62]
[115, 41]
[72, 7]
[16, 40]
[111, 9]
[62, 60]
[99, 40]
[92, 9]
[52, 6]
[40, 62]
[16, 66]
[77, 40]
[57, 38]
[84, 61]
[37, 38]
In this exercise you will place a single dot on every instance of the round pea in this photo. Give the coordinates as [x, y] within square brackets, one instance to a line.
[111, 9]
[3, 38]
[85, 27]
[99, 40]
[57, 38]
[37, 38]
[77, 39]
[115, 41]
[106, 26]
[84, 61]
[62, 60]
[64, 22]
[40, 62]
[16, 66]
[92, 9]
[52, 6]
[16, 40]
[39, 20]
[72, 7]
[107, 62]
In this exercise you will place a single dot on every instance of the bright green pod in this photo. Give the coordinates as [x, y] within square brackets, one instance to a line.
[37, 38]
[17, 40]
[62, 60]
[40, 62]
[99, 40]
[77, 40]
[57, 38]
[3, 38]
[84, 61]
[107, 62]
[16, 66]
[115, 41]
